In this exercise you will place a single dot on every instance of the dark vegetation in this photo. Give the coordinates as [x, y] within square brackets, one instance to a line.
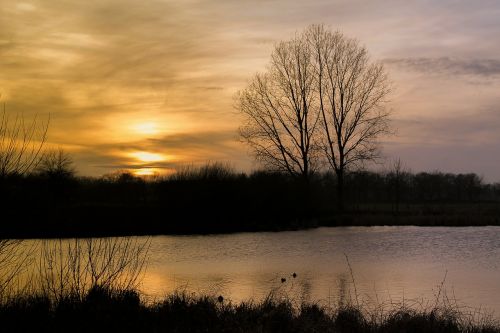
[108, 310]
[214, 199]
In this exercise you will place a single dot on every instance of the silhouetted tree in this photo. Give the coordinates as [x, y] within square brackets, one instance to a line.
[320, 92]
[57, 172]
[396, 179]
[351, 92]
[280, 111]
[56, 164]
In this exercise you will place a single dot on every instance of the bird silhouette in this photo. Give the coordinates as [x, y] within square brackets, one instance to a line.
[294, 275]
[220, 299]
[283, 280]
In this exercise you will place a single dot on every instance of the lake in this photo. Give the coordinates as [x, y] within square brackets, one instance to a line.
[387, 263]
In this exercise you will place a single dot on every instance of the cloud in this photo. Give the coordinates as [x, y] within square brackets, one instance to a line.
[210, 88]
[208, 139]
[99, 67]
[455, 158]
[449, 66]
[473, 129]
[449, 142]
[179, 149]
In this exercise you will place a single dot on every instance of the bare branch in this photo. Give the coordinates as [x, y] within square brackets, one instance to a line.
[280, 111]
[21, 143]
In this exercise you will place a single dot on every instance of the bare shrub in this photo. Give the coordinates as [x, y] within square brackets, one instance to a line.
[15, 256]
[70, 268]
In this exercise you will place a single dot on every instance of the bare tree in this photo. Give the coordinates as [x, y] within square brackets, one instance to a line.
[398, 178]
[321, 92]
[280, 111]
[21, 143]
[56, 163]
[351, 92]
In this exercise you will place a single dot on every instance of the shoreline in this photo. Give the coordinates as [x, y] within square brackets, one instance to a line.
[146, 222]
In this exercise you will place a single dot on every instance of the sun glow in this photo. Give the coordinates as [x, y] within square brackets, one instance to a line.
[144, 156]
[146, 128]
[146, 172]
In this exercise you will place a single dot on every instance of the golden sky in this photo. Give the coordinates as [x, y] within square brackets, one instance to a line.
[150, 84]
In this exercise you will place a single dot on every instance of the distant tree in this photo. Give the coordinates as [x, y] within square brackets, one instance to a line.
[351, 94]
[21, 144]
[211, 171]
[468, 187]
[56, 164]
[496, 190]
[280, 110]
[397, 178]
[123, 177]
[125, 186]
[58, 174]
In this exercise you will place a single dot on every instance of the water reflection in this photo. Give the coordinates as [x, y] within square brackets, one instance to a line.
[71, 267]
[390, 264]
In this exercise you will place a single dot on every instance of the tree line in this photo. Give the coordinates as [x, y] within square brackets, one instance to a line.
[215, 198]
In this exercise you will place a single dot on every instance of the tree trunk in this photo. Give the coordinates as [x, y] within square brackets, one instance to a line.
[305, 190]
[340, 191]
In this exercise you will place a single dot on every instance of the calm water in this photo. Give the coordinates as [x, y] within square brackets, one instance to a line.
[388, 263]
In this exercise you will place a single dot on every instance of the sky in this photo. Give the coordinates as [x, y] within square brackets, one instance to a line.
[150, 85]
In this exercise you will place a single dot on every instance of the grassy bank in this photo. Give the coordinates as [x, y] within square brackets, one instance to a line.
[105, 310]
